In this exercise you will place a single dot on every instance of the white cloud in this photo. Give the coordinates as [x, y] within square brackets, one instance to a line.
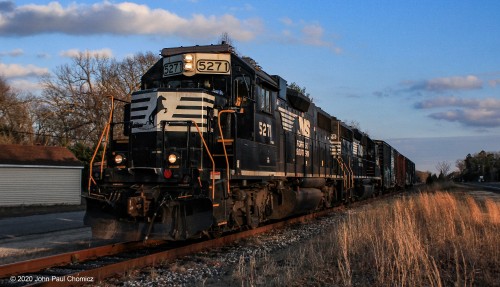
[286, 21]
[12, 53]
[103, 53]
[490, 103]
[245, 8]
[494, 83]
[19, 71]
[26, 85]
[469, 82]
[469, 112]
[124, 18]
[470, 117]
[314, 35]
[311, 34]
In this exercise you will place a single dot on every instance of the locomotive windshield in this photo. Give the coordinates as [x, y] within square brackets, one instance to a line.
[197, 63]
[215, 84]
[209, 71]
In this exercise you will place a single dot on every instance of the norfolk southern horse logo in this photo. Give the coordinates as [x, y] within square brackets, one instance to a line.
[160, 106]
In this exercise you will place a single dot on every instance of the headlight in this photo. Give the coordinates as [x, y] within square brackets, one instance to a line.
[188, 66]
[119, 159]
[188, 62]
[172, 158]
[188, 58]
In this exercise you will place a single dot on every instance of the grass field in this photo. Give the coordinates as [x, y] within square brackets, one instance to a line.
[427, 238]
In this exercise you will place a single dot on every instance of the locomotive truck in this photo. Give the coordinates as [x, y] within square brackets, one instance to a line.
[212, 143]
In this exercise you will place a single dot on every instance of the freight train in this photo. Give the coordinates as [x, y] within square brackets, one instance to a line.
[212, 143]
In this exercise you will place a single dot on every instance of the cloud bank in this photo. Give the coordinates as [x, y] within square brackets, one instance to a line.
[20, 71]
[124, 18]
[311, 34]
[103, 53]
[469, 82]
[483, 113]
[12, 53]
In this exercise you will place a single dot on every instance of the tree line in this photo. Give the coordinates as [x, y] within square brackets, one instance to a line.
[482, 165]
[74, 102]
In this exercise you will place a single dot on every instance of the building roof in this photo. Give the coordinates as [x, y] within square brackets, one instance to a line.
[37, 155]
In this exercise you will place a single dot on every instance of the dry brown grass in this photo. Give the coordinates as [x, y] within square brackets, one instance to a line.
[424, 239]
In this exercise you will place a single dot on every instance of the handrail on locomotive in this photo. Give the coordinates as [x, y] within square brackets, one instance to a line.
[105, 135]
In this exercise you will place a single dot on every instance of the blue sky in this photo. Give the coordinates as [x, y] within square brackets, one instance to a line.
[413, 73]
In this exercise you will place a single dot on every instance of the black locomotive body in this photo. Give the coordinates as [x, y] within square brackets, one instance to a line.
[212, 143]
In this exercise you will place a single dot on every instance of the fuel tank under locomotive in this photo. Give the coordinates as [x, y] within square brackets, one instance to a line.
[304, 195]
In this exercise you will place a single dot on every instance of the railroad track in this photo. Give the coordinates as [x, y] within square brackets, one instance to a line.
[95, 264]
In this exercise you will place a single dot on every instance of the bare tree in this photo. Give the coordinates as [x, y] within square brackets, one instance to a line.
[354, 124]
[15, 122]
[443, 168]
[74, 104]
[225, 38]
[123, 78]
[75, 101]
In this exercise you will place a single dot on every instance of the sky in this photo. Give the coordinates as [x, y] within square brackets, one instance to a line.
[422, 75]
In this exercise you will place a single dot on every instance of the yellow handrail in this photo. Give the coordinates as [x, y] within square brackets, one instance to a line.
[352, 173]
[211, 158]
[349, 178]
[224, 145]
[344, 177]
[105, 132]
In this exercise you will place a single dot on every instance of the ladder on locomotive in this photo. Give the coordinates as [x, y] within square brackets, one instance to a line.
[227, 142]
[347, 173]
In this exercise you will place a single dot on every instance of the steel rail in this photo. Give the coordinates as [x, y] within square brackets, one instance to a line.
[35, 265]
[123, 267]
[106, 271]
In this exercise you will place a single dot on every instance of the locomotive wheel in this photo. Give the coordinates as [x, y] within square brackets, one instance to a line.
[215, 232]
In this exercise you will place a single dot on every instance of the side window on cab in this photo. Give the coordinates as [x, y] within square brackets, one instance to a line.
[266, 97]
[241, 89]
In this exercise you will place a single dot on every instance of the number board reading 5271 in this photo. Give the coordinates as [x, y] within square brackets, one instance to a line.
[212, 66]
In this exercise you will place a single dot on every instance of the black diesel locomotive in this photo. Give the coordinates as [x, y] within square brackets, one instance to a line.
[212, 143]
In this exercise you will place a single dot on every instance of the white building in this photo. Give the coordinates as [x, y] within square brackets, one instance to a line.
[39, 175]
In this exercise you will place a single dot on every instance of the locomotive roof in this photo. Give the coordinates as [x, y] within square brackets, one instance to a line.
[220, 48]
[37, 155]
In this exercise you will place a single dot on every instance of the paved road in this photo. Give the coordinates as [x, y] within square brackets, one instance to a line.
[490, 186]
[37, 224]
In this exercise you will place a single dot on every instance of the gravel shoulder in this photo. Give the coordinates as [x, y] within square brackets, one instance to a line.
[251, 262]
[232, 265]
